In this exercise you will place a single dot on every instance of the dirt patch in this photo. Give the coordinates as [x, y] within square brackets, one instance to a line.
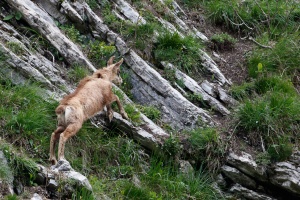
[232, 63]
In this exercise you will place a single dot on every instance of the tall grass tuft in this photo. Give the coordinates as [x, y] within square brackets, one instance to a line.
[182, 52]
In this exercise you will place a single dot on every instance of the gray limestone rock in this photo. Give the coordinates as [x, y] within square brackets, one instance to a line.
[247, 165]
[248, 194]
[238, 177]
[287, 176]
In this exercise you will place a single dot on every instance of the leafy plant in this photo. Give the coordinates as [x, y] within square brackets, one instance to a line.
[126, 86]
[12, 197]
[15, 15]
[73, 33]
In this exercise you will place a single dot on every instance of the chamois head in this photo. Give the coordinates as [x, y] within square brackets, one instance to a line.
[111, 72]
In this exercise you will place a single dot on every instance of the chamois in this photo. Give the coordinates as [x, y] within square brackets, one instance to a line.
[91, 96]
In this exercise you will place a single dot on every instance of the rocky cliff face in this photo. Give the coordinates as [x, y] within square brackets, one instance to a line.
[48, 64]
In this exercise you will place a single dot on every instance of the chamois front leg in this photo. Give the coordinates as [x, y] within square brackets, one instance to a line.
[71, 130]
[109, 112]
[54, 138]
[121, 109]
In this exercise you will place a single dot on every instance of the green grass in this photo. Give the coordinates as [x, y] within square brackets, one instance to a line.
[133, 113]
[207, 147]
[240, 92]
[141, 35]
[192, 4]
[151, 112]
[166, 182]
[20, 165]
[23, 113]
[283, 58]
[182, 52]
[262, 16]
[223, 41]
[99, 53]
[77, 73]
[16, 47]
[274, 118]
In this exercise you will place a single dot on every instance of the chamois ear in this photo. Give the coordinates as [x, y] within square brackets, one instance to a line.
[110, 61]
[117, 65]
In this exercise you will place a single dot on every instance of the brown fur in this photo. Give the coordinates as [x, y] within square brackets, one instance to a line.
[92, 94]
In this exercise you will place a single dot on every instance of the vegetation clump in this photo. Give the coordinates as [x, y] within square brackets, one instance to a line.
[183, 52]
[223, 41]
[207, 148]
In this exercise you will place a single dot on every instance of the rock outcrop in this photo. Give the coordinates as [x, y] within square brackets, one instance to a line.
[249, 180]
[63, 178]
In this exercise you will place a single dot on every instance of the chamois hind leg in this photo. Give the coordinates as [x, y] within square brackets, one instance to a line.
[71, 130]
[109, 112]
[121, 109]
[54, 138]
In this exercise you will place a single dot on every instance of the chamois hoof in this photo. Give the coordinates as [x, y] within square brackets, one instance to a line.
[124, 115]
[110, 117]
